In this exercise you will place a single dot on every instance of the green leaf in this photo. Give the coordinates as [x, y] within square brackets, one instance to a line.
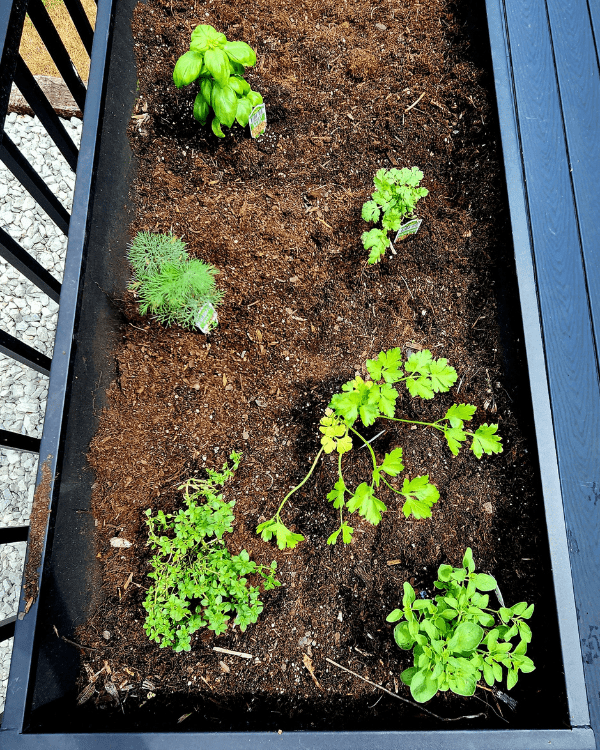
[387, 400]
[347, 532]
[217, 63]
[402, 636]
[377, 242]
[332, 539]
[455, 436]
[368, 506]
[443, 376]
[203, 35]
[216, 128]
[488, 674]
[239, 85]
[524, 632]
[409, 594]
[394, 615]
[370, 211]
[284, 537]
[528, 612]
[388, 366]
[224, 102]
[511, 678]
[201, 109]
[242, 114]
[187, 69]
[484, 582]
[423, 686]
[337, 494]
[407, 675]
[368, 413]
[459, 413]
[467, 636]
[463, 685]
[241, 53]
[206, 86]
[392, 463]
[445, 572]
[420, 497]
[486, 441]
[254, 98]
[467, 561]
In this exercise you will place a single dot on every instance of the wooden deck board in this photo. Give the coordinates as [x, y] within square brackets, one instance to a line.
[554, 83]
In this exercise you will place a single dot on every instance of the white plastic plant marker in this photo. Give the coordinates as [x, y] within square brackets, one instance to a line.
[411, 227]
[206, 318]
[258, 121]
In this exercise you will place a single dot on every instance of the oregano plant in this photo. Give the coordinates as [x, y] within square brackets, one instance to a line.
[218, 66]
[197, 581]
[396, 195]
[456, 637]
[368, 401]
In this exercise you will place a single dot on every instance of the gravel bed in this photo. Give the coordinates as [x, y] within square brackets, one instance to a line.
[29, 315]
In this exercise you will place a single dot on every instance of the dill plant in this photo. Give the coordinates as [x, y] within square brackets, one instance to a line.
[171, 285]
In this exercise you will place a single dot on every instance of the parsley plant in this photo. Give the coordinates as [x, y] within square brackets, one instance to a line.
[197, 581]
[369, 400]
[219, 67]
[394, 199]
[456, 637]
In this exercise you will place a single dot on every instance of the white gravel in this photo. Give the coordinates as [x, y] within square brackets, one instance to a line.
[29, 315]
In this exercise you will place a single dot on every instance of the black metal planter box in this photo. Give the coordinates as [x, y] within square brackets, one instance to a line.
[40, 700]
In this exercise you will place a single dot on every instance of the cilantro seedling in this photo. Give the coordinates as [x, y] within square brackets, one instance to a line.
[368, 401]
[456, 638]
[396, 195]
[197, 581]
[219, 67]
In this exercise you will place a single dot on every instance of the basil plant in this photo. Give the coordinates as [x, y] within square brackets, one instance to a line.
[218, 66]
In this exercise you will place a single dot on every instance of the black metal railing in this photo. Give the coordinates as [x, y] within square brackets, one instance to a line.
[74, 226]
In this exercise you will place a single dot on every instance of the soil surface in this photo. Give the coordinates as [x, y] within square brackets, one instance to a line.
[349, 88]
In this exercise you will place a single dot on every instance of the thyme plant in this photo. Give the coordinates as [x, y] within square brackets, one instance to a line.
[369, 400]
[197, 581]
[171, 285]
[456, 637]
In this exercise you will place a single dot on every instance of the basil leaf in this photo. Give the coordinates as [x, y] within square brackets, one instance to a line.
[241, 53]
[201, 109]
[217, 63]
[242, 114]
[216, 129]
[224, 102]
[187, 69]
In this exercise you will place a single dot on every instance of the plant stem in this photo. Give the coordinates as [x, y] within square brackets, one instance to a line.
[390, 486]
[413, 421]
[297, 487]
[366, 442]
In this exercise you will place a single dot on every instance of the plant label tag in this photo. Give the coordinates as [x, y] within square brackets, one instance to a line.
[411, 227]
[258, 121]
[206, 318]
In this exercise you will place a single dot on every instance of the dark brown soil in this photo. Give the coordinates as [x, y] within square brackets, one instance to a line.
[38, 522]
[281, 220]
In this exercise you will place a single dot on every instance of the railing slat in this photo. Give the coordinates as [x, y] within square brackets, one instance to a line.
[53, 43]
[12, 15]
[26, 264]
[7, 628]
[17, 442]
[42, 108]
[13, 534]
[33, 183]
[81, 23]
[24, 353]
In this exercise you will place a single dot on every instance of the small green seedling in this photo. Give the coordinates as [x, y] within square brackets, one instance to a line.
[395, 198]
[456, 637]
[369, 400]
[218, 66]
[171, 286]
[197, 581]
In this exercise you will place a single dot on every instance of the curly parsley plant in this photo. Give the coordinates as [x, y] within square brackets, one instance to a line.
[369, 400]
[171, 285]
[218, 66]
[197, 581]
[456, 638]
[394, 199]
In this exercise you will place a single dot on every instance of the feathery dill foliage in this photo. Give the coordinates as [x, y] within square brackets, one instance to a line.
[171, 285]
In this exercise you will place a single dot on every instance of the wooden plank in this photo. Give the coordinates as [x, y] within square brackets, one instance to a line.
[567, 327]
[579, 87]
